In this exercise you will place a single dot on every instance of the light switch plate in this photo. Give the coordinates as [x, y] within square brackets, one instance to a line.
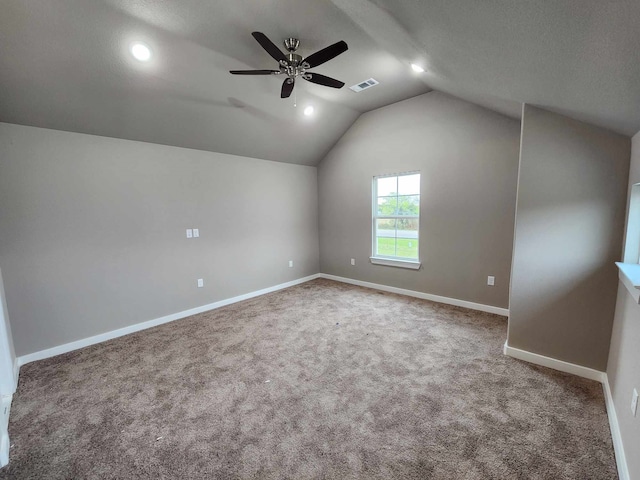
[200, 282]
[353, 261]
[189, 233]
[196, 232]
[290, 263]
[491, 280]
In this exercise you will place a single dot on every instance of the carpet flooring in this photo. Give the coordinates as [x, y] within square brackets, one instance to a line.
[321, 380]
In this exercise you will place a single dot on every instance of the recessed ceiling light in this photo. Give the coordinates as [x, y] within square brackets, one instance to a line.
[141, 52]
[308, 110]
[417, 68]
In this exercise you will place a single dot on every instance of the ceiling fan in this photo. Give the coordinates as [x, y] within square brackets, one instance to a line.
[293, 65]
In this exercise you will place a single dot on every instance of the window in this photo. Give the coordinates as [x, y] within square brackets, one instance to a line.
[396, 220]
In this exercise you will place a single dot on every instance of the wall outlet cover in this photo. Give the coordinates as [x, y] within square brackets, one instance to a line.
[290, 263]
[353, 261]
[196, 233]
[200, 282]
[189, 233]
[491, 280]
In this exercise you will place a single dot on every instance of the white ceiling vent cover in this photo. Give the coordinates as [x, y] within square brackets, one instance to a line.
[358, 87]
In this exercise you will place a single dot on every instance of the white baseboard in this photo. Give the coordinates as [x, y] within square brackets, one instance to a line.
[4, 449]
[85, 342]
[510, 351]
[591, 374]
[554, 363]
[5, 444]
[618, 447]
[425, 296]
[16, 373]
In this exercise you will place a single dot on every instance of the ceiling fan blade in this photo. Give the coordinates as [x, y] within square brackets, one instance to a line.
[255, 72]
[287, 88]
[323, 80]
[326, 54]
[269, 46]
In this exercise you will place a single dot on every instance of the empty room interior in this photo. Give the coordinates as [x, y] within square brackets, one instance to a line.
[330, 239]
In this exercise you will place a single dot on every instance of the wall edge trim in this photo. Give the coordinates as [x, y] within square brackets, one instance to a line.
[102, 337]
[591, 374]
[554, 363]
[425, 296]
[16, 373]
[4, 449]
[5, 443]
[616, 437]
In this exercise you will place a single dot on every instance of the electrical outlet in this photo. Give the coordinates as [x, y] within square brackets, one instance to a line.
[200, 282]
[353, 261]
[634, 402]
[189, 233]
[290, 263]
[196, 233]
[491, 280]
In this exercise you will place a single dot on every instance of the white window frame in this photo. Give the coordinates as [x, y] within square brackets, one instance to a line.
[391, 261]
[629, 273]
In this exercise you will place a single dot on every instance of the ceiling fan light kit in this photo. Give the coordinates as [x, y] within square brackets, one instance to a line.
[293, 65]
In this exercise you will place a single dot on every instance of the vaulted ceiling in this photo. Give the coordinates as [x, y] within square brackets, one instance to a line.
[65, 64]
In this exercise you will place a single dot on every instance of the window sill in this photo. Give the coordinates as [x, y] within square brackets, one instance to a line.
[411, 264]
[630, 276]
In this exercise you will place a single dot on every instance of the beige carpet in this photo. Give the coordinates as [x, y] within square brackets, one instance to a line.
[322, 380]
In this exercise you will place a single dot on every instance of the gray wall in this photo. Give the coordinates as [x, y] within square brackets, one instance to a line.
[569, 225]
[468, 158]
[92, 230]
[623, 369]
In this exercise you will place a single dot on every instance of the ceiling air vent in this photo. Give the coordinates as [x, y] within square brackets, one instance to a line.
[358, 87]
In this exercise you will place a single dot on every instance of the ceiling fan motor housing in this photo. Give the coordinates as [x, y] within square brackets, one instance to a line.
[293, 66]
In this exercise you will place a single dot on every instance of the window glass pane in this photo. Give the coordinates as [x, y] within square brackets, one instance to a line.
[409, 184]
[387, 206]
[386, 228]
[407, 248]
[407, 233]
[385, 237]
[407, 228]
[386, 246]
[387, 186]
[409, 205]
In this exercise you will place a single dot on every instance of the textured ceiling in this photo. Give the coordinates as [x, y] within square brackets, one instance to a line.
[64, 64]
